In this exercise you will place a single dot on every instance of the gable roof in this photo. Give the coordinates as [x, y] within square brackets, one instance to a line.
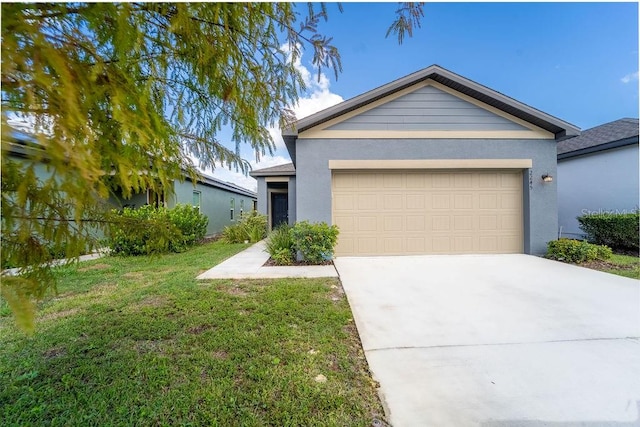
[225, 185]
[24, 145]
[559, 128]
[604, 137]
[286, 169]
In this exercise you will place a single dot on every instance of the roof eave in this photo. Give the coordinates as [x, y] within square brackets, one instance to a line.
[597, 148]
[559, 128]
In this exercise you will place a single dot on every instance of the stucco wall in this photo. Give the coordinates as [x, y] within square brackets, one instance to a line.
[215, 203]
[262, 195]
[597, 182]
[313, 177]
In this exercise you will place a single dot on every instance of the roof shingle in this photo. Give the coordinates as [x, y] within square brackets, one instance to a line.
[619, 130]
[284, 169]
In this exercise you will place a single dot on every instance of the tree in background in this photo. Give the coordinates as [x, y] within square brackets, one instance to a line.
[120, 95]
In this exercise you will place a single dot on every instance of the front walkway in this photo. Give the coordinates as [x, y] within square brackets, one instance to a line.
[249, 264]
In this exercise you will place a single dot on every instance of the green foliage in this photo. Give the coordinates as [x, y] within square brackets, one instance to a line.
[618, 231]
[120, 96]
[252, 227]
[191, 223]
[255, 225]
[315, 242]
[576, 251]
[150, 230]
[279, 245]
[409, 15]
[182, 354]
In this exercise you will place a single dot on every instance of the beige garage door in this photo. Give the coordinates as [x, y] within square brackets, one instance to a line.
[427, 212]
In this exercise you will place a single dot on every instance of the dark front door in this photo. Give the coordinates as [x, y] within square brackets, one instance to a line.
[279, 209]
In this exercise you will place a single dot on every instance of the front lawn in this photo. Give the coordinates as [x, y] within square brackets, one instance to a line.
[138, 341]
[622, 265]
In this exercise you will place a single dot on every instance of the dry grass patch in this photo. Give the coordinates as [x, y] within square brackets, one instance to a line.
[94, 267]
[47, 317]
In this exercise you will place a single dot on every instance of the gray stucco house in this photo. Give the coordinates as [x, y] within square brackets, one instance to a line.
[598, 172]
[432, 163]
[222, 202]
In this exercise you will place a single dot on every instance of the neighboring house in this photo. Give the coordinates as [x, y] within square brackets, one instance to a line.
[598, 172]
[222, 202]
[432, 163]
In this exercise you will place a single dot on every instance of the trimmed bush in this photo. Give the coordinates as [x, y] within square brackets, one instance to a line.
[618, 231]
[252, 227]
[576, 251]
[279, 245]
[150, 230]
[315, 242]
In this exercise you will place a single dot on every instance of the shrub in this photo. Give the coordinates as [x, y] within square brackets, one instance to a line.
[576, 251]
[255, 225]
[149, 230]
[191, 223]
[279, 245]
[315, 242]
[252, 227]
[618, 231]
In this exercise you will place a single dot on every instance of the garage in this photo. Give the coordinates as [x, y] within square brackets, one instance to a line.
[443, 211]
[430, 163]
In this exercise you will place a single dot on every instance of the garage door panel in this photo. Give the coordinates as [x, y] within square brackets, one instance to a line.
[463, 201]
[416, 180]
[392, 180]
[438, 212]
[441, 201]
[392, 201]
[393, 223]
[441, 180]
[440, 223]
[367, 180]
[463, 180]
[416, 223]
[366, 202]
[415, 201]
[487, 201]
[367, 223]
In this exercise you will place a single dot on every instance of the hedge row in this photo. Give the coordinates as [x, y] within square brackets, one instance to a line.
[618, 231]
[149, 230]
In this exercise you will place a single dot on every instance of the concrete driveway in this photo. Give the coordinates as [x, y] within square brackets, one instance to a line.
[497, 340]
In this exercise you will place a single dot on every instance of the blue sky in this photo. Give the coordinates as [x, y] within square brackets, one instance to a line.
[575, 61]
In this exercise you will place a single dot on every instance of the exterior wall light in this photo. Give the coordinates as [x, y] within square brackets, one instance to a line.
[547, 178]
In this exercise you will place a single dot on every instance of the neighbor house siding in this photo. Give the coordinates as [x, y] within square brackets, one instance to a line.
[313, 178]
[427, 108]
[215, 203]
[597, 182]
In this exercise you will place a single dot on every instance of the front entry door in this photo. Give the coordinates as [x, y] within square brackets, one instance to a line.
[279, 209]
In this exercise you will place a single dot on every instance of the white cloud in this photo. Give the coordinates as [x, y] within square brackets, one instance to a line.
[629, 77]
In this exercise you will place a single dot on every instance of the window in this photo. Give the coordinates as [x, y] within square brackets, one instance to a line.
[197, 198]
[232, 208]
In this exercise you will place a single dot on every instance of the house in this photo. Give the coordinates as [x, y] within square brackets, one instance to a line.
[222, 202]
[598, 172]
[432, 163]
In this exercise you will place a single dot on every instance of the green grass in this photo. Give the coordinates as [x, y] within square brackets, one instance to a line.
[625, 265]
[138, 341]
[622, 265]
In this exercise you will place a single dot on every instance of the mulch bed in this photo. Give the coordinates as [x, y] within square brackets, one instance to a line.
[271, 263]
[599, 265]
